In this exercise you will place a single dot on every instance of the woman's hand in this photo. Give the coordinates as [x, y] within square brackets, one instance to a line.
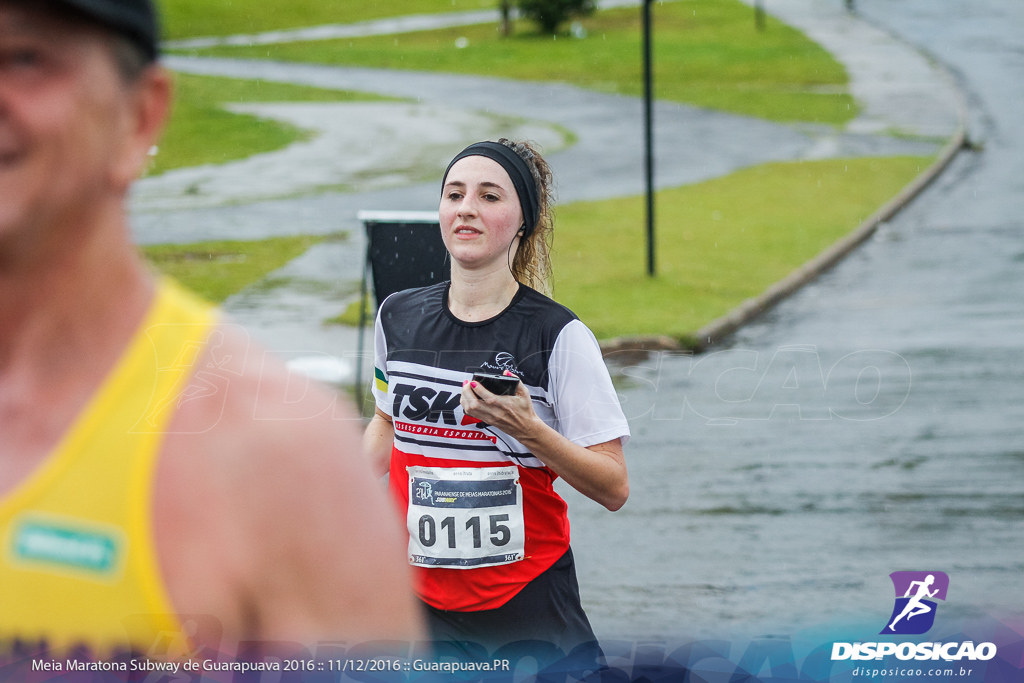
[598, 471]
[512, 414]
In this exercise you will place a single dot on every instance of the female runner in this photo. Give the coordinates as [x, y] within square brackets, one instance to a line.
[471, 469]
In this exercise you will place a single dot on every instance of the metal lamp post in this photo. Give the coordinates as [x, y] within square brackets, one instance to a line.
[649, 135]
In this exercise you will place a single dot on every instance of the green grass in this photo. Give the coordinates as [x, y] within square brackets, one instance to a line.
[218, 269]
[707, 53]
[350, 316]
[191, 18]
[718, 242]
[202, 132]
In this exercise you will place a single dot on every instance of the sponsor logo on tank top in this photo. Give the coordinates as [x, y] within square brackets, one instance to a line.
[55, 543]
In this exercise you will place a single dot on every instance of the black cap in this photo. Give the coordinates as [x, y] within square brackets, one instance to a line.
[135, 19]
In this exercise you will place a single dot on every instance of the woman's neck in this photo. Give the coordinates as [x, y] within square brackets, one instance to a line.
[476, 296]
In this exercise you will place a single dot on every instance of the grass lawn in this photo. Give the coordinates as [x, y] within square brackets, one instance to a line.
[218, 269]
[202, 132]
[192, 18]
[718, 242]
[350, 316]
[707, 53]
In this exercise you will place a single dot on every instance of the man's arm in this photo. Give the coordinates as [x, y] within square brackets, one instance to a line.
[326, 542]
[277, 526]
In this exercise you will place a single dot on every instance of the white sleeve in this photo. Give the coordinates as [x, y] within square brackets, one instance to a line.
[380, 367]
[587, 410]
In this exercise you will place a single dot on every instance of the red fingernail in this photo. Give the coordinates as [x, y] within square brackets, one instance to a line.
[465, 383]
[473, 384]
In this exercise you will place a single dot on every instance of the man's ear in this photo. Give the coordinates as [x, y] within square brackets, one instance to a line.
[148, 107]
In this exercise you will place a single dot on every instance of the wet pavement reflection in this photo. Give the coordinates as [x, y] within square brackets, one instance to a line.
[871, 423]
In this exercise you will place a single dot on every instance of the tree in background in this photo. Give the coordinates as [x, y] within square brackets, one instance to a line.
[506, 18]
[549, 14]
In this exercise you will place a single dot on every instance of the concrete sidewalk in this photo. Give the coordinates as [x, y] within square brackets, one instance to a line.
[357, 147]
[899, 89]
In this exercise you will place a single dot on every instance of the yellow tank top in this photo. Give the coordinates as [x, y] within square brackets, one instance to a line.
[78, 562]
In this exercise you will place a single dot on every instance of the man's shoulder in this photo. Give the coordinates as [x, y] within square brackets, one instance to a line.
[253, 506]
[255, 403]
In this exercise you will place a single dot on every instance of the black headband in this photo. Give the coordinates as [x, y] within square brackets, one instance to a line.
[518, 171]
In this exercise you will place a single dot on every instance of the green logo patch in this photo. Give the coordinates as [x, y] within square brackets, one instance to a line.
[49, 543]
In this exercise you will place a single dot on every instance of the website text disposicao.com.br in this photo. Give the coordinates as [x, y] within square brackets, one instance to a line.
[965, 652]
[904, 672]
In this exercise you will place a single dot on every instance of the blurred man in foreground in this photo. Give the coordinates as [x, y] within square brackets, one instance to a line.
[152, 469]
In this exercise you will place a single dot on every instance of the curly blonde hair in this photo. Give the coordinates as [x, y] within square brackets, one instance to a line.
[532, 263]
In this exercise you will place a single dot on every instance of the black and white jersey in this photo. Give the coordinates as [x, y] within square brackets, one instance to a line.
[423, 355]
[482, 515]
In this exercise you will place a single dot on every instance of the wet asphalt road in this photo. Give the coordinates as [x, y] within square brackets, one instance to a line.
[751, 516]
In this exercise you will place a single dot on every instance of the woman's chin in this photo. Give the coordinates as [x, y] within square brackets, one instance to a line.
[475, 261]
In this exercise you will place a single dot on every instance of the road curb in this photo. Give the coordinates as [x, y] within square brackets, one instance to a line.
[715, 331]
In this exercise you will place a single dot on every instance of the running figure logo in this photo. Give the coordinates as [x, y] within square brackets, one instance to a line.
[914, 613]
[425, 492]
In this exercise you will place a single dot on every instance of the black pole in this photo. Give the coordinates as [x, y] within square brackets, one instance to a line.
[649, 136]
[364, 295]
[506, 18]
[759, 14]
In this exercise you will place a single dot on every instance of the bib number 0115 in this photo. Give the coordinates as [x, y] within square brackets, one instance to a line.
[465, 517]
[500, 533]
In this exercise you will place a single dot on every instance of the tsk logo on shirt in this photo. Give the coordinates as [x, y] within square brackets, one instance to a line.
[425, 403]
[916, 592]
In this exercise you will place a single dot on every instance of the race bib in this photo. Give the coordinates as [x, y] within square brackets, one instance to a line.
[468, 517]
